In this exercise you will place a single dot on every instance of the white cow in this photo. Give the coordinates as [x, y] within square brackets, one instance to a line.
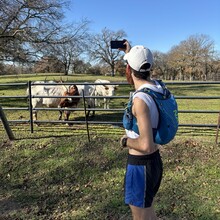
[53, 90]
[104, 90]
[89, 90]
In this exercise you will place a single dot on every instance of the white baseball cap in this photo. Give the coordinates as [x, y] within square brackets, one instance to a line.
[137, 56]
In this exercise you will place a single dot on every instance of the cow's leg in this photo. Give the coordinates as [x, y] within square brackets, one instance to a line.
[66, 116]
[96, 102]
[105, 103]
[93, 112]
[87, 114]
[35, 115]
[91, 104]
[60, 116]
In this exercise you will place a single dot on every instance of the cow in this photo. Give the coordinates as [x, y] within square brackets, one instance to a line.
[54, 90]
[69, 102]
[104, 90]
[89, 90]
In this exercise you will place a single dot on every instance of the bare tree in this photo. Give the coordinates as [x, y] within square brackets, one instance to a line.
[76, 42]
[160, 66]
[25, 24]
[49, 64]
[191, 57]
[197, 50]
[80, 66]
[213, 67]
[100, 49]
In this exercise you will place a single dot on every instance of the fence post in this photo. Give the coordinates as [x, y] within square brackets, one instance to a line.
[84, 104]
[30, 106]
[6, 125]
[217, 131]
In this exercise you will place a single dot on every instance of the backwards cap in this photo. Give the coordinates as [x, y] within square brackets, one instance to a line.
[137, 56]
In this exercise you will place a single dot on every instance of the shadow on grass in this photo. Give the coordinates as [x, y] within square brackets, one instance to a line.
[69, 178]
[185, 191]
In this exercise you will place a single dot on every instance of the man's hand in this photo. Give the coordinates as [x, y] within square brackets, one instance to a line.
[123, 141]
[128, 47]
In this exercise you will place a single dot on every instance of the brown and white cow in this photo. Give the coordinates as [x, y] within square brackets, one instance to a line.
[50, 102]
[69, 102]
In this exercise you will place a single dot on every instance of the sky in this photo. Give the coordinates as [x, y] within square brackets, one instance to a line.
[156, 24]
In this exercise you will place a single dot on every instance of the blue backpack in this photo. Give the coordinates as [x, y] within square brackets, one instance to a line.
[168, 115]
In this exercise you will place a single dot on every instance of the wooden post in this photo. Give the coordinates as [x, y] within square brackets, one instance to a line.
[217, 131]
[6, 125]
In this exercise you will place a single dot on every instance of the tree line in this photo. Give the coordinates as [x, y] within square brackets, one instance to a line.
[34, 38]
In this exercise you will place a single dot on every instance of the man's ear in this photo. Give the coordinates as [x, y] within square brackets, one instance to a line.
[128, 75]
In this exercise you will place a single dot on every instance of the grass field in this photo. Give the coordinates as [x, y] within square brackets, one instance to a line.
[55, 173]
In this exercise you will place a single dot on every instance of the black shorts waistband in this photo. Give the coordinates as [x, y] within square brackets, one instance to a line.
[142, 159]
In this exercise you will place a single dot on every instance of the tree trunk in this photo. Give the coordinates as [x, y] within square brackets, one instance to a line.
[113, 70]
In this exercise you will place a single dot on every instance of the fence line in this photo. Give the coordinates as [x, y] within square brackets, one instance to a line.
[30, 109]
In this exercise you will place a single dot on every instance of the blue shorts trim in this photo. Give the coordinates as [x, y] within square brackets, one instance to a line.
[142, 181]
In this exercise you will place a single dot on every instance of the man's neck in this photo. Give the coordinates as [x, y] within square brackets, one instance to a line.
[140, 82]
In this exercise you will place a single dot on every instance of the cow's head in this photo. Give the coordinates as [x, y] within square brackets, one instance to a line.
[110, 90]
[70, 101]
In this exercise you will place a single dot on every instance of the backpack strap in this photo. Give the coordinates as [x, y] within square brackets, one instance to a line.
[156, 95]
[168, 117]
[166, 92]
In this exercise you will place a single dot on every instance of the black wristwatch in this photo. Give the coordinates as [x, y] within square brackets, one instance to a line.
[124, 142]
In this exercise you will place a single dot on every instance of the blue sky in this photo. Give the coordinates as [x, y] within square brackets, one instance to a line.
[157, 24]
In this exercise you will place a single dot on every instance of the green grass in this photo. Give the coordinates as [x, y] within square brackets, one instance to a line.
[66, 177]
[55, 173]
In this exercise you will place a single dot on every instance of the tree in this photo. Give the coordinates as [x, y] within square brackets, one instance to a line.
[79, 66]
[197, 50]
[160, 66]
[190, 58]
[25, 25]
[101, 51]
[213, 67]
[49, 64]
[76, 43]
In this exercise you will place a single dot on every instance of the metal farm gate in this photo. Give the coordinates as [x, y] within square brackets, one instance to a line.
[84, 109]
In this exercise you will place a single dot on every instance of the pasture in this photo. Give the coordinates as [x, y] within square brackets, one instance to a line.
[55, 173]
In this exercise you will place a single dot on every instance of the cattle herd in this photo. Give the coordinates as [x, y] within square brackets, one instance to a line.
[69, 96]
